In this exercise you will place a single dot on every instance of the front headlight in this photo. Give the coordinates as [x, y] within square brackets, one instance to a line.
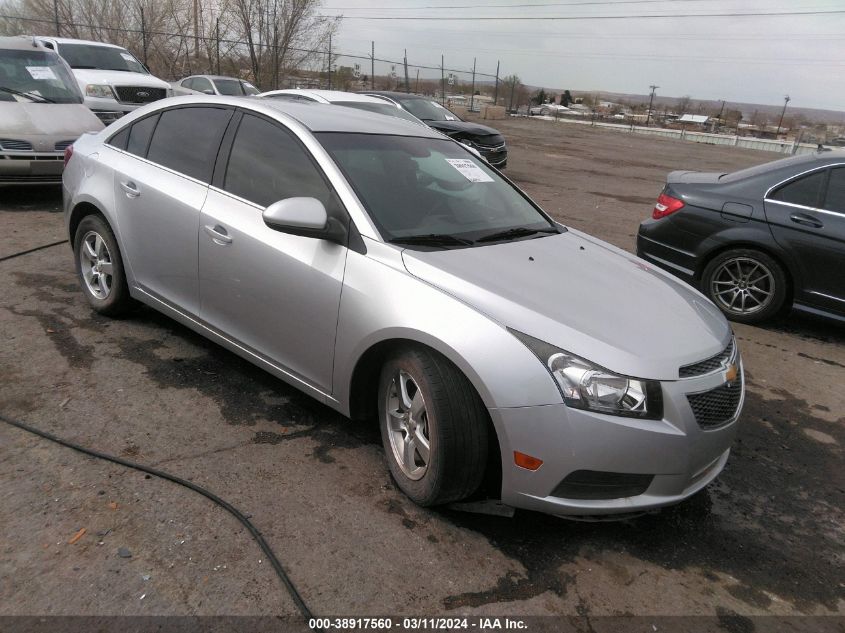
[585, 385]
[99, 90]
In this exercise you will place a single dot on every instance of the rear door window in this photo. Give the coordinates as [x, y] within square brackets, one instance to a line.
[139, 136]
[835, 198]
[186, 140]
[805, 191]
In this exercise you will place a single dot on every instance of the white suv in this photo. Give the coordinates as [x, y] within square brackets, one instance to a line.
[111, 79]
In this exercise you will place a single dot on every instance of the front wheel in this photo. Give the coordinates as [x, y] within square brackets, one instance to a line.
[433, 427]
[746, 284]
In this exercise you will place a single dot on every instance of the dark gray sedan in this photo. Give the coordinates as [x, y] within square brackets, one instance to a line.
[759, 240]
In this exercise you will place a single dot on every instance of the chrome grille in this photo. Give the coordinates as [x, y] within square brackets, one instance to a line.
[15, 146]
[63, 145]
[708, 365]
[717, 406]
[139, 94]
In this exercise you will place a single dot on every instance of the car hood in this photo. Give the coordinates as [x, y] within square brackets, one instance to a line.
[53, 121]
[86, 76]
[584, 296]
[452, 127]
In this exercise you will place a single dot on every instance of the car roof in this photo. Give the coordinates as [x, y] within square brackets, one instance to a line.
[317, 117]
[69, 40]
[331, 96]
[20, 44]
[214, 77]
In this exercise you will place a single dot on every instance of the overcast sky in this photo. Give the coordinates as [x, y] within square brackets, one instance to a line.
[752, 59]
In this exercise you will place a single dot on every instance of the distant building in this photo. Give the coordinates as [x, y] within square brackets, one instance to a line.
[696, 119]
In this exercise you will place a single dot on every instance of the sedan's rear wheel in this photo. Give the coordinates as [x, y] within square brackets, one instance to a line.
[747, 285]
[433, 427]
[100, 268]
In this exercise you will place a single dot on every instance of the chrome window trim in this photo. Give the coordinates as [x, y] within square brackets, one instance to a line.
[785, 181]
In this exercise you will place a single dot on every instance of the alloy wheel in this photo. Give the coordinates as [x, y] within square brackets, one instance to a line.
[742, 285]
[406, 421]
[96, 265]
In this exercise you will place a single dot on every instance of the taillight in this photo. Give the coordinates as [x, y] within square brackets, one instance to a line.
[666, 205]
[68, 154]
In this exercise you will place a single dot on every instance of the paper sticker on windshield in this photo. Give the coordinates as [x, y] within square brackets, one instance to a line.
[469, 169]
[40, 72]
[127, 57]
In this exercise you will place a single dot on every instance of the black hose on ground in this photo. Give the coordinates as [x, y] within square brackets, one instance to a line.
[240, 516]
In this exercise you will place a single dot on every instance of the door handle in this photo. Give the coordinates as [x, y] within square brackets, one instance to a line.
[218, 234]
[130, 188]
[806, 220]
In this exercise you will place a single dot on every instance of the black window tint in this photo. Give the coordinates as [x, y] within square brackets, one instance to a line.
[139, 136]
[267, 164]
[187, 139]
[835, 198]
[804, 191]
[119, 139]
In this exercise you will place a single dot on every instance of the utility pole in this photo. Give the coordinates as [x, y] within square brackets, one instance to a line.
[56, 17]
[143, 35]
[513, 87]
[373, 66]
[442, 82]
[786, 100]
[197, 29]
[650, 102]
[417, 85]
[496, 89]
[472, 92]
[719, 117]
[330, 61]
[217, 40]
[407, 83]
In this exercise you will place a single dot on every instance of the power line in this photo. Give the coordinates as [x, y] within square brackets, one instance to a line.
[509, 6]
[588, 17]
[115, 29]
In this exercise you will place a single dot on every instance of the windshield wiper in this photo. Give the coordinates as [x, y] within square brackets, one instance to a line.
[519, 231]
[432, 239]
[31, 97]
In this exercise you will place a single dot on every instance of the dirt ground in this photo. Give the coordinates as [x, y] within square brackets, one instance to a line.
[766, 538]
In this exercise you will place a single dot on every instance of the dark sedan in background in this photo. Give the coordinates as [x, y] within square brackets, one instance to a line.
[759, 240]
[485, 140]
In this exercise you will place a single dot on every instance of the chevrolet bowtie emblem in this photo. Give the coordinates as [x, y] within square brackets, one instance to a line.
[731, 373]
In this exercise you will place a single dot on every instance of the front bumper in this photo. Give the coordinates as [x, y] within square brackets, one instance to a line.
[681, 456]
[498, 157]
[31, 167]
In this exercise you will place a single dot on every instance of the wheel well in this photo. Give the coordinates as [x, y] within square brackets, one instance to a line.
[80, 211]
[753, 246]
[363, 403]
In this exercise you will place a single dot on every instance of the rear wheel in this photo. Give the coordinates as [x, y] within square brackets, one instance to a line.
[99, 267]
[746, 284]
[433, 427]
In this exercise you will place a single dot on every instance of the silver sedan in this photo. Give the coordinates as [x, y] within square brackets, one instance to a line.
[393, 275]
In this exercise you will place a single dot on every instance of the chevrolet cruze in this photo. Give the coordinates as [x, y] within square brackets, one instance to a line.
[390, 273]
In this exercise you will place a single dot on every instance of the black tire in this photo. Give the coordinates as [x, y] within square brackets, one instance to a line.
[724, 274]
[455, 421]
[116, 301]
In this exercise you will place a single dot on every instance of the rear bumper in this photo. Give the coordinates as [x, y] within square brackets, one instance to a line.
[681, 456]
[31, 167]
[679, 262]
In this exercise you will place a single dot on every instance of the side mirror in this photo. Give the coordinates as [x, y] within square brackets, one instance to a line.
[306, 217]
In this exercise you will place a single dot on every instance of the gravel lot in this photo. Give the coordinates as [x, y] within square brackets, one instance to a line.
[766, 538]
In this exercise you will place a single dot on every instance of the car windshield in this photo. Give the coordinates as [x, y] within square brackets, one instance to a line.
[36, 76]
[433, 189]
[426, 110]
[100, 58]
[757, 170]
[229, 87]
[379, 108]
